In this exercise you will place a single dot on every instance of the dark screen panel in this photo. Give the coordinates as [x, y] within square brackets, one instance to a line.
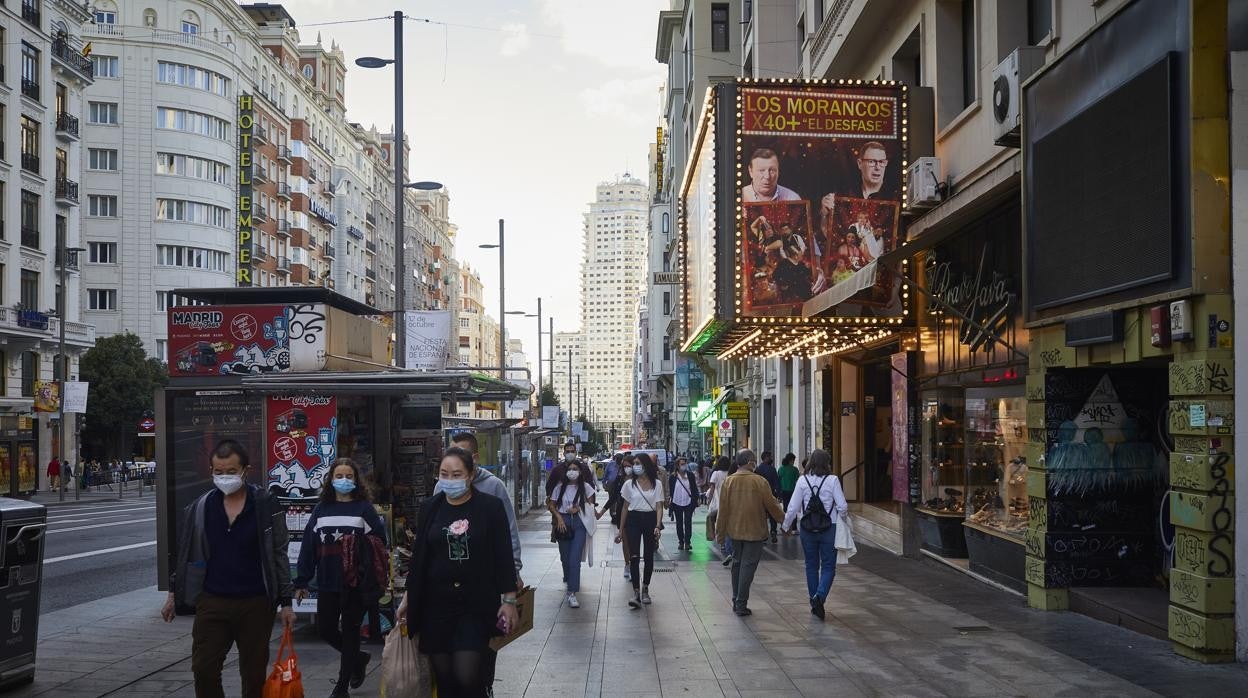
[1103, 199]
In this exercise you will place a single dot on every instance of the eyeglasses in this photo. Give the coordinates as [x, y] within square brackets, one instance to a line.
[874, 162]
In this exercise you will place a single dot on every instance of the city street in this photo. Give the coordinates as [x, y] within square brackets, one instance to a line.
[97, 547]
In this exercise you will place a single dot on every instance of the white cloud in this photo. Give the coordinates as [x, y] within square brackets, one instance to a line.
[601, 30]
[516, 39]
[631, 100]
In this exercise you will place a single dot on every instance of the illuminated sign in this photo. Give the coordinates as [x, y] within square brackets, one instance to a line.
[246, 121]
[660, 146]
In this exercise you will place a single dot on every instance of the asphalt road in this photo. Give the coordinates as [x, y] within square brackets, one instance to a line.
[97, 548]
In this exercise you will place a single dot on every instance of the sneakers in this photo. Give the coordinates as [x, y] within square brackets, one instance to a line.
[645, 595]
[816, 607]
[635, 602]
[774, 538]
[572, 602]
[357, 676]
[727, 561]
[741, 610]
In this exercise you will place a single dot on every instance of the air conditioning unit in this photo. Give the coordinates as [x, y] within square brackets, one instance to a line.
[923, 183]
[1006, 95]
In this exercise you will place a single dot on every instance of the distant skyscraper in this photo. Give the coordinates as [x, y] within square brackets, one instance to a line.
[612, 284]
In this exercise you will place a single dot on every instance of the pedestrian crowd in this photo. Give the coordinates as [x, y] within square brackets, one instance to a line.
[232, 568]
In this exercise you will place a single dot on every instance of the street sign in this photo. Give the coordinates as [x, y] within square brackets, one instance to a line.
[682, 426]
[737, 410]
[666, 278]
[725, 427]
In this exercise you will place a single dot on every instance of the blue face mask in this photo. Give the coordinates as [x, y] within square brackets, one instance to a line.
[454, 489]
[344, 486]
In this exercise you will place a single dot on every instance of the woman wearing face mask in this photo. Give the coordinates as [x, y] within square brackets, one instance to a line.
[682, 490]
[643, 510]
[344, 510]
[615, 505]
[571, 507]
[461, 585]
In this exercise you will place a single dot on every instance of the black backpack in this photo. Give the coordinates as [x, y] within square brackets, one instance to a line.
[816, 518]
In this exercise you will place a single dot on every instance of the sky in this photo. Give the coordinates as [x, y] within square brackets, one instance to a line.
[520, 107]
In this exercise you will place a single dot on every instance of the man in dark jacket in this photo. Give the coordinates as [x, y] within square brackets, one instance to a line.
[232, 567]
[767, 468]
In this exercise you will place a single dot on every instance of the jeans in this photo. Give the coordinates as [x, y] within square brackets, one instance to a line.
[820, 552]
[684, 523]
[744, 565]
[726, 547]
[347, 606]
[221, 622]
[639, 531]
[570, 551]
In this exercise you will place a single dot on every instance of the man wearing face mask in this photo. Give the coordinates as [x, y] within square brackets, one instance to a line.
[232, 567]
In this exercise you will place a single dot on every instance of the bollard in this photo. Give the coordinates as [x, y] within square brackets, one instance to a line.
[121, 485]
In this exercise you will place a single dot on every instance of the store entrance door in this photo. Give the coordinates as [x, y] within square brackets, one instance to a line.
[877, 441]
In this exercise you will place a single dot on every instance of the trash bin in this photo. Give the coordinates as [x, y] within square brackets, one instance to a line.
[22, 525]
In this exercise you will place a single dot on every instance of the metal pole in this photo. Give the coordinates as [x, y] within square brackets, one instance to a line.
[400, 273]
[62, 253]
[539, 358]
[571, 397]
[552, 354]
[502, 304]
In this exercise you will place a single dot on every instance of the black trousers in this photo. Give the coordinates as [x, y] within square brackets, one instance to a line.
[684, 522]
[639, 529]
[338, 617]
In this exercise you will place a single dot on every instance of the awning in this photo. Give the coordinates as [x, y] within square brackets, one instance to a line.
[862, 279]
[478, 423]
[463, 386]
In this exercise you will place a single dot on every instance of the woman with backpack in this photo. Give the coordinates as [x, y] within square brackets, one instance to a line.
[344, 536]
[817, 503]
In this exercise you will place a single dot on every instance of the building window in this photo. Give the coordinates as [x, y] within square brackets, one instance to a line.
[719, 27]
[30, 372]
[189, 166]
[102, 206]
[102, 159]
[667, 302]
[106, 66]
[102, 252]
[1039, 20]
[192, 212]
[192, 122]
[969, 69]
[189, 27]
[102, 112]
[30, 144]
[30, 219]
[191, 76]
[162, 350]
[191, 257]
[29, 289]
[105, 17]
[101, 299]
[30, 70]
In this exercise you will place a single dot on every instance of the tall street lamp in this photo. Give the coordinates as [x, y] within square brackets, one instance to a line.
[62, 305]
[502, 302]
[400, 183]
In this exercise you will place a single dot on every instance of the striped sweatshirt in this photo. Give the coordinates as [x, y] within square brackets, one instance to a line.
[321, 551]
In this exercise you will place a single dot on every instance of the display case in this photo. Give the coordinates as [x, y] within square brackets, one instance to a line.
[944, 453]
[996, 464]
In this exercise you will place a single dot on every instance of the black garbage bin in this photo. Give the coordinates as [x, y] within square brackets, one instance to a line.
[22, 525]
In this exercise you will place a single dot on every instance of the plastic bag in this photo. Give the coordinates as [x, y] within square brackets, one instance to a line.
[285, 681]
[405, 672]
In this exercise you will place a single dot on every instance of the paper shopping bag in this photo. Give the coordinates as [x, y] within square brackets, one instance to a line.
[524, 608]
[405, 672]
[285, 680]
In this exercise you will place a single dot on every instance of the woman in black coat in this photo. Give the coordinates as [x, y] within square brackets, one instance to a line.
[461, 586]
[683, 498]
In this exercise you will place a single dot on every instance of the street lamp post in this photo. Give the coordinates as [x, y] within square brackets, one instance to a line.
[62, 305]
[502, 300]
[400, 183]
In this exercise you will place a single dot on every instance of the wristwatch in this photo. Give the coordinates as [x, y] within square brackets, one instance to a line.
[509, 601]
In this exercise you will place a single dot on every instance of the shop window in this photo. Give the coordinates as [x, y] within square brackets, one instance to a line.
[30, 372]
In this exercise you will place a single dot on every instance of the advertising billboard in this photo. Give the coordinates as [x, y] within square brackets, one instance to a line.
[223, 340]
[819, 191]
[303, 438]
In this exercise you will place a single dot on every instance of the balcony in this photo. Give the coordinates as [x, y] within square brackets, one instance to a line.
[370, 219]
[258, 215]
[71, 261]
[30, 13]
[301, 227]
[30, 237]
[30, 162]
[259, 174]
[30, 88]
[311, 175]
[259, 136]
[328, 251]
[283, 264]
[283, 191]
[283, 227]
[66, 126]
[330, 190]
[66, 191]
[370, 247]
[73, 59]
[258, 253]
[370, 274]
[283, 154]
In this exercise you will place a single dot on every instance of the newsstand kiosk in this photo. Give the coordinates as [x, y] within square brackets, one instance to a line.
[302, 379]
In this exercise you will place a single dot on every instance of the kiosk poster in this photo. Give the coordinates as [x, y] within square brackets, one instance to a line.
[303, 440]
[820, 196]
[228, 340]
[27, 468]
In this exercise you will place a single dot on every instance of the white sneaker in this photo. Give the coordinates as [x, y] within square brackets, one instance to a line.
[572, 602]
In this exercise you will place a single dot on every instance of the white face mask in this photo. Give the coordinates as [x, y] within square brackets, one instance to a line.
[228, 484]
[573, 474]
[570, 456]
[638, 470]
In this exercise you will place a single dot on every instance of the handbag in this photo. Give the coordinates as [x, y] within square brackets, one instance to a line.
[405, 672]
[710, 525]
[285, 681]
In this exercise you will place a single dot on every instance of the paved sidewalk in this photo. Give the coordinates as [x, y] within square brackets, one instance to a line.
[895, 627]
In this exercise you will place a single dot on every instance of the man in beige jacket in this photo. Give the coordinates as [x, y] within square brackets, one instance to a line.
[745, 504]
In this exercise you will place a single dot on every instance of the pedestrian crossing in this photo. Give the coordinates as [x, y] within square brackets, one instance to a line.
[71, 527]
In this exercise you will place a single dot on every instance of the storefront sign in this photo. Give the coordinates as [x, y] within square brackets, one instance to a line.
[302, 437]
[666, 278]
[660, 144]
[737, 410]
[981, 293]
[246, 121]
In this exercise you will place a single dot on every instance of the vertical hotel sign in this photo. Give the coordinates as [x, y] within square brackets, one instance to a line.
[246, 121]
